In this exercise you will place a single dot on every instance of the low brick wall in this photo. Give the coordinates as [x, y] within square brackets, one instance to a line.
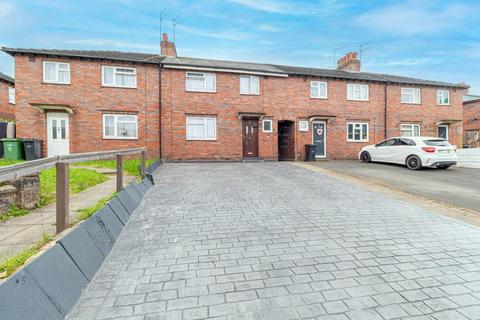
[24, 192]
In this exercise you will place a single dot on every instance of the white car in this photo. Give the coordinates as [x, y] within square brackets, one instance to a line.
[414, 152]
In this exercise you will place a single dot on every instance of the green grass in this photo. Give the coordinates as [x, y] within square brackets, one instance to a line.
[130, 166]
[6, 162]
[80, 179]
[84, 214]
[14, 211]
[14, 262]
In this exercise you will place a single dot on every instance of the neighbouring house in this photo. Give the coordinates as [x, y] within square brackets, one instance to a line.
[188, 108]
[7, 97]
[471, 121]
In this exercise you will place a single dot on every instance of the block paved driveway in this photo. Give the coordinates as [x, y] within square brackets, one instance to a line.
[276, 241]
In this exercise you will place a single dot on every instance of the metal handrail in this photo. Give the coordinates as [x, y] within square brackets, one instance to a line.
[18, 170]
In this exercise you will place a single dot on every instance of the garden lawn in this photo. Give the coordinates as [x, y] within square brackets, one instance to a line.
[130, 165]
[80, 179]
[5, 162]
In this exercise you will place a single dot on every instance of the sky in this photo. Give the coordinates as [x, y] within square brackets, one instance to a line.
[435, 40]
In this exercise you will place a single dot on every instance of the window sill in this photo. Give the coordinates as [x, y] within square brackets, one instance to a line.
[250, 94]
[204, 140]
[319, 98]
[368, 100]
[117, 87]
[415, 103]
[193, 91]
[58, 83]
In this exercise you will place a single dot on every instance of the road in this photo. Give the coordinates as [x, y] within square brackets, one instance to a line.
[277, 241]
[457, 186]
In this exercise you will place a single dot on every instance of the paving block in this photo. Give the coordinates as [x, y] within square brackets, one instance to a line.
[82, 249]
[22, 298]
[127, 201]
[119, 210]
[59, 277]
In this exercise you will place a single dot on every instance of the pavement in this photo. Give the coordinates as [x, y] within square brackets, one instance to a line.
[20, 233]
[456, 186]
[278, 241]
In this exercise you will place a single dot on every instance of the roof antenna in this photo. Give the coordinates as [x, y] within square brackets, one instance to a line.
[362, 48]
[174, 22]
[160, 24]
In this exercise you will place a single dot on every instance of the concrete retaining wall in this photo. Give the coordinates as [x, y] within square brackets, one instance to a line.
[468, 158]
[49, 286]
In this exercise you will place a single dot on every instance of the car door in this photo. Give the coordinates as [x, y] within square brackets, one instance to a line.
[401, 150]
[383, 150]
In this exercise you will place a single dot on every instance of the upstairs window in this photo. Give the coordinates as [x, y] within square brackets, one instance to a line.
[119, 77]
[249, 85]
[11, 95]
[357, 92]
[201, 128]
[357, 131]
[318, 89]
[200, 82]
[410, 130]
[56, 72]
[443, 97]
[120, 126]
[410, 95]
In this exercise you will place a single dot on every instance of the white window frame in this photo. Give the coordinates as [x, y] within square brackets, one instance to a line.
[56, 81]
[250, 90]
[440, 93]
[116, 136]
[271, 125]
[410, 92]
[318, 85]
[303, 125]
[114, 84]
[446, 127]
[11, 95]
[361, 124]
[204, 81]
[205, 124]
[355, 87]
[412, 126]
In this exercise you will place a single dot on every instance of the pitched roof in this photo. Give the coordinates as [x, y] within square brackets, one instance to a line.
[6, 78]
[91, 54]
[232, 65]
[471, 98]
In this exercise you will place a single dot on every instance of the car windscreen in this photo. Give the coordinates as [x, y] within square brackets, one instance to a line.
[437, 143]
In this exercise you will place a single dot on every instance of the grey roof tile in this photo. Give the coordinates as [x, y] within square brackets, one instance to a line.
[6, 78]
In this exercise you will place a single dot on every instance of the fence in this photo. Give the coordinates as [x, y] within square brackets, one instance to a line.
[62, 163]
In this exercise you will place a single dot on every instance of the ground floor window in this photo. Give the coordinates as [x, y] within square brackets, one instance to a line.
[357, 131]
[120, 126]
[410, 130]
[267, 125]
[201, 128]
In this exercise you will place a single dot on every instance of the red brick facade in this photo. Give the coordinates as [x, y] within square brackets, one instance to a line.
[7, 110]
[471, 123]
[282, 97]
[89, 100]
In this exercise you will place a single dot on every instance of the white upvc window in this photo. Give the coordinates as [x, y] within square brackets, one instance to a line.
[357, 132]
[201, 128]
[200, 82]
[267, 125]
[410, 130]
[357, 92]
[249, 85]
[303, 125]
[411, 95]
[443, 97]
[120, 126]
[56, 72]
[11, 95]
[318, 89]
[119, 77]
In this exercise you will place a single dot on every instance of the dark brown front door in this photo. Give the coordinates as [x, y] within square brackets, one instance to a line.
[250, 137]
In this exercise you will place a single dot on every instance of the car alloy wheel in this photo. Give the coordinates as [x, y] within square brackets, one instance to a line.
[365, 157]
[414, 163]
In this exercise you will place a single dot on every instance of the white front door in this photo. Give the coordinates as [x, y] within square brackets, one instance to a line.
[57, 134]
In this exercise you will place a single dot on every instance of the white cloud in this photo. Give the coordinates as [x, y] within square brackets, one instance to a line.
[268, 27]
[292, 7]
[232, 35]
[415, 17]
[108, 43]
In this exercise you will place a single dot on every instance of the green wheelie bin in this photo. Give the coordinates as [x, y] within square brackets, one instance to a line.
[13, 149]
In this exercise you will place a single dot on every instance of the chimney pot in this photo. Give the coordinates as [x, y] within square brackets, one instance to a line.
[349, 62]
[167, 48]
[164, 37]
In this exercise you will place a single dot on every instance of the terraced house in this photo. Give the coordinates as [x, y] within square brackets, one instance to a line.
[187, 108]
[7, 97]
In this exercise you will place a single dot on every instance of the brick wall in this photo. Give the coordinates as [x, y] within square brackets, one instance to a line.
[471, 111]
[289, 99]
[89, 100]
[7, 110]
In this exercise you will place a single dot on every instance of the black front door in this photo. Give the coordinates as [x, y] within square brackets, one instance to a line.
[319, 133]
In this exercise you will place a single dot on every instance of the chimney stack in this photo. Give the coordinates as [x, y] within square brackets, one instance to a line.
[349, 62]
[167, 47]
